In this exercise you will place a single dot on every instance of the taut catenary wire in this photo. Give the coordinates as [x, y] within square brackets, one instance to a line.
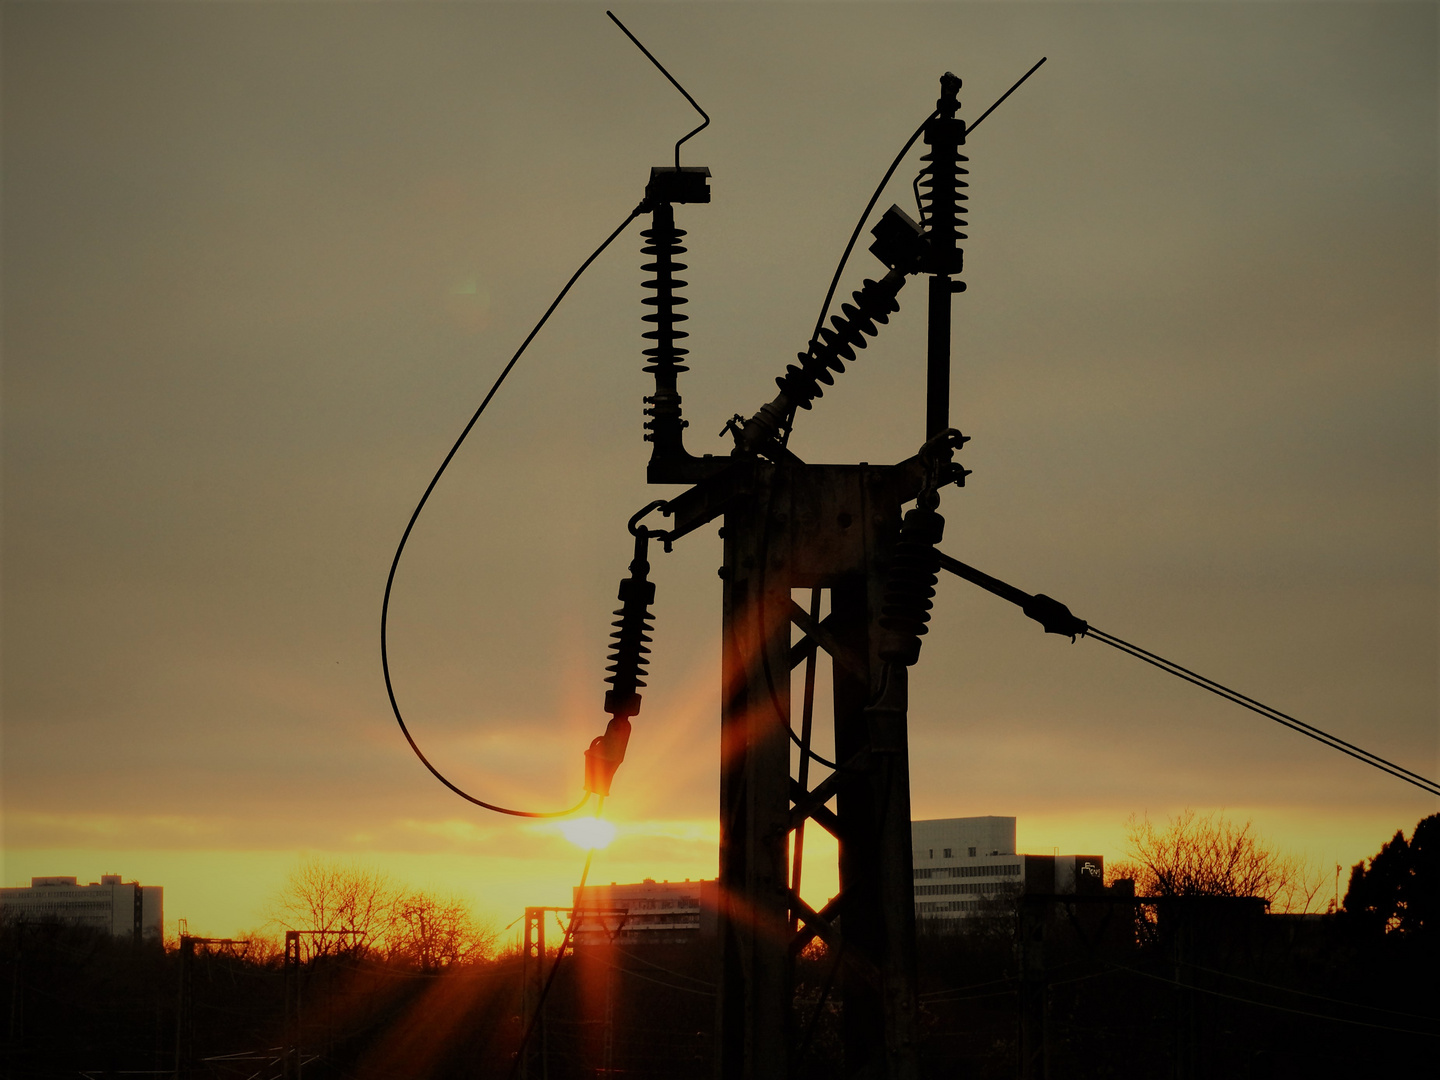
[1285, 720]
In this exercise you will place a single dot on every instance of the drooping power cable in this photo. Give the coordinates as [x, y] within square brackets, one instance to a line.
[812, 754]
[410, 525]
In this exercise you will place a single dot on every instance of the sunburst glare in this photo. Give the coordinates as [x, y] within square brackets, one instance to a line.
[588, 832]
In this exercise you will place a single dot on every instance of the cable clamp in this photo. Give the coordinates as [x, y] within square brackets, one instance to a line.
[1055, 617]
[940, 470]
[605, 754]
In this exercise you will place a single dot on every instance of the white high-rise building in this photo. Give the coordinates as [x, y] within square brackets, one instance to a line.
[961, 863]
[124, 909]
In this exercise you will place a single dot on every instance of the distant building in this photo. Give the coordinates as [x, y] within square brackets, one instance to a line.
[649, 913]
[961, 866]
[964, 864]
[124, 909]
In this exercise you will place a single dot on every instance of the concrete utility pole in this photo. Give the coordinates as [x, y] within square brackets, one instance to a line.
[827, 528]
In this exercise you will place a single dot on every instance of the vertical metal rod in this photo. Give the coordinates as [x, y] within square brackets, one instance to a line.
[527, 960]
[896, 879]
[544, 1031]
[608, 1058]
[290, 1052]
[862, 1014]
[299, 1028]
[1036, 1017]
[182, 1009]
[937, 368]
[532, 976]
[807, 716]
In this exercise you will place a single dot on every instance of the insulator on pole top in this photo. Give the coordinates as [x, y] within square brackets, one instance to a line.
[943, 197]
[665, 357]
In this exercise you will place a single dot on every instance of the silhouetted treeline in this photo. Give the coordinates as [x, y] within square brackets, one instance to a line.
[1064, 987]
[1194, 986]
[1179, 987]
[1076, 986]
[80, 1003]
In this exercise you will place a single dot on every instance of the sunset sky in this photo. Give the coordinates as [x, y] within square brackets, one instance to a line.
[261, 261]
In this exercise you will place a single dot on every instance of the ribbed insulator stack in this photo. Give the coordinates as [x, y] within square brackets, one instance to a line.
[662, 245]
[910, 586]
[633, 623]
[943, 198]
[873, 303]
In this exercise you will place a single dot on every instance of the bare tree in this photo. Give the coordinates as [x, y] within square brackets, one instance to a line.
[343, 906]
[435, 931]
[1210, 855]
[258, 947]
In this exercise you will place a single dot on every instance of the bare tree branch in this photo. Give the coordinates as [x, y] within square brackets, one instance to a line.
[1210, 855]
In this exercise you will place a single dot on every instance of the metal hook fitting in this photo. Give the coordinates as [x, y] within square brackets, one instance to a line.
[642, 532]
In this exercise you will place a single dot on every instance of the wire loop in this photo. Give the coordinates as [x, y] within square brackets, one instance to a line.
[415, 516]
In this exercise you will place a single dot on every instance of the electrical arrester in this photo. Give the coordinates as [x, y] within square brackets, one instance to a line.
[633, 624]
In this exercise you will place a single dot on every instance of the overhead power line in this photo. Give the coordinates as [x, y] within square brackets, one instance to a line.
[1284, 719]
[1057, 619]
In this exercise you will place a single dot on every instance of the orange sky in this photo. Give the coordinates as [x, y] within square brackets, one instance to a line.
[261, 261]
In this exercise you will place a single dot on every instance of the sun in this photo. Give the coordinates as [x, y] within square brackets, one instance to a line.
[588, 832]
